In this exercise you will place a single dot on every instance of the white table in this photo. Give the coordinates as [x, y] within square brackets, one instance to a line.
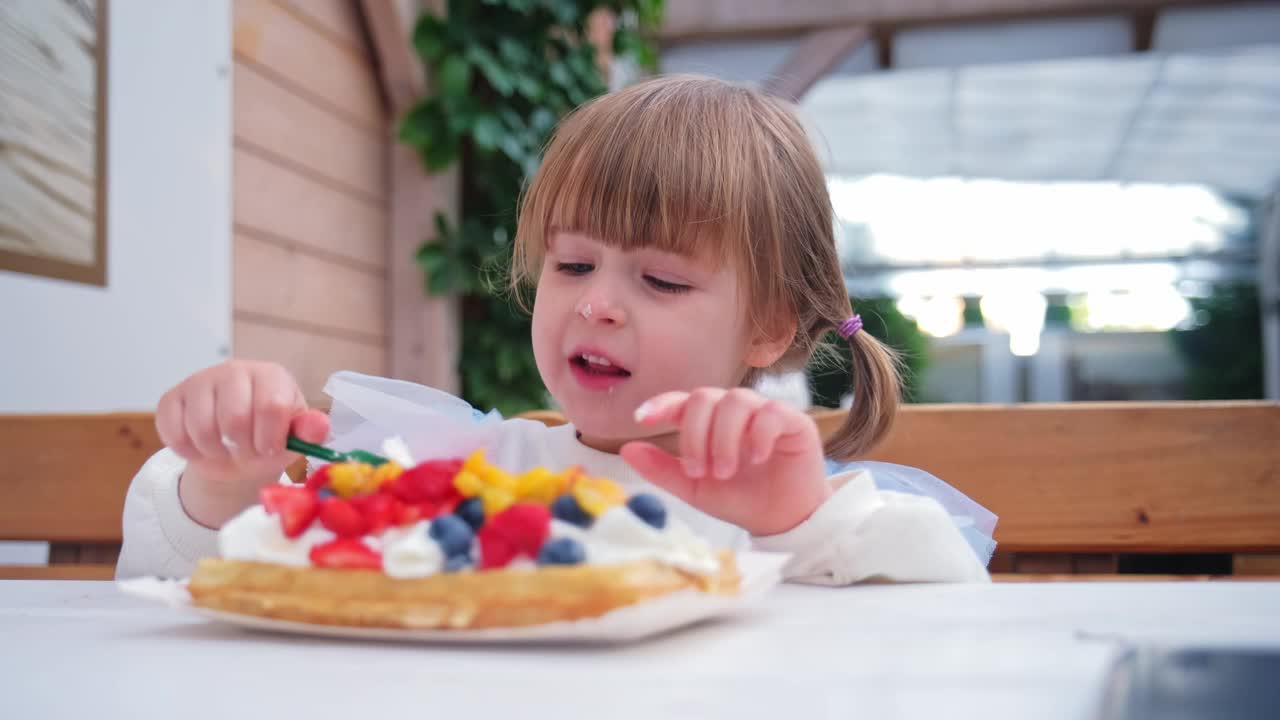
[82, 650]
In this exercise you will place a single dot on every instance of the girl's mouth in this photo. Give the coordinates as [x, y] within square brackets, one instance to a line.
[596, 372]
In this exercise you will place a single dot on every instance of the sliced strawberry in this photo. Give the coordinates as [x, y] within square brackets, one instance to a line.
[378, 511]
[296, 506]
[347, 553]
[318, 479]
[342, 517]
[403, 513]
[428, 481]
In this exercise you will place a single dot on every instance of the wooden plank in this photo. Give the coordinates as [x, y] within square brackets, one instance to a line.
[270, 198]
[425, 330]
[338, 19]
[283, 283]
[390, 25]
[57, 572]
[310, 357]
[728, 18]
[1105, 477]
[1254, 564]
[820, 51]
[278, 43]
[283, 125]
[65, 476]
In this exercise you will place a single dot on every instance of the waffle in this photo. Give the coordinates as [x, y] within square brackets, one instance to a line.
[464, 600]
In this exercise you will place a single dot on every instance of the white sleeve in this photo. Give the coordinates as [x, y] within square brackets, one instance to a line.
[863, 534]
[159, 537]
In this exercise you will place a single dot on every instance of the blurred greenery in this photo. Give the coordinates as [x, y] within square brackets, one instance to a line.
[503, 73]
[831, 372]
[1223, 351]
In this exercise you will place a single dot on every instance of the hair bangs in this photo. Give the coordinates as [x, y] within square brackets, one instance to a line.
[649, 167]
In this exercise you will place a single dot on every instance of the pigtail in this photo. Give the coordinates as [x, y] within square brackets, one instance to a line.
[877, 389]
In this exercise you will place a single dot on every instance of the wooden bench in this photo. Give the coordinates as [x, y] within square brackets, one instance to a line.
[1075, 485]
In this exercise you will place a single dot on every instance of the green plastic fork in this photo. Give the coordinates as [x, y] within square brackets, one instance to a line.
[319, 451]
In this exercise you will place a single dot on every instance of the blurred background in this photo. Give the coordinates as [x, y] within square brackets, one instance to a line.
[1043, 202]
[1036, 200]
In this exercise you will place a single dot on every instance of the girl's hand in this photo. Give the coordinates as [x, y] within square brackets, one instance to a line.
[743, 458]
[230, 423]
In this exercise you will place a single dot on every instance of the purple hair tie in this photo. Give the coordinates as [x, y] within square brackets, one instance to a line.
[850, 327]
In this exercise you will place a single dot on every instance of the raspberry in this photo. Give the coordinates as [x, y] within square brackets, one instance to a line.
[519, 530]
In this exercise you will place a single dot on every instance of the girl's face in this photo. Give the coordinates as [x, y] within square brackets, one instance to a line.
[613, 328]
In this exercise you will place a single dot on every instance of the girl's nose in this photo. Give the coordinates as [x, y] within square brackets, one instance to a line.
[597, 307]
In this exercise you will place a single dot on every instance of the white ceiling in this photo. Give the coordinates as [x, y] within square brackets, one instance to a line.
[1055, 99]
[1208, 117]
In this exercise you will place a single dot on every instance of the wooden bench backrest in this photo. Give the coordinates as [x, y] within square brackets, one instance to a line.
[1104, 478]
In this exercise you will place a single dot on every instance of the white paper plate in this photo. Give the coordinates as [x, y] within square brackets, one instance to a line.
[760, 573]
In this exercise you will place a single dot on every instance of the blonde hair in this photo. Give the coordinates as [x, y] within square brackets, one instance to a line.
[699, 166]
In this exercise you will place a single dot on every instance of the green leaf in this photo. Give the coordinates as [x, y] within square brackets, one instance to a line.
[429, 37]
[493, 71]
[542, 121]
[439, 154]
[561, 75]
[514, 52]
[454, 76]
[488, 132]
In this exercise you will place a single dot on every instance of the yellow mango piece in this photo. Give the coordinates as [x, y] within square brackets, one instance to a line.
[495, 500]
[475, 464]
[538, 485]
[468, 483]
[350, 478]
[597, 495]
[385, 473]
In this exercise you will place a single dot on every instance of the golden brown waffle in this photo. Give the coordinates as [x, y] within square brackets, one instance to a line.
[494, 598]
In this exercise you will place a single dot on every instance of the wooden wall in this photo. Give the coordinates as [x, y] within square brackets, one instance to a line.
[311, 190]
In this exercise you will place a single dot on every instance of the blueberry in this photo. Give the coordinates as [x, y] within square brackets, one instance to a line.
[471, 511]
[457, 563]
[324, 493]
[453, 534]
[649, 509]
[566, 508]
[562, 551]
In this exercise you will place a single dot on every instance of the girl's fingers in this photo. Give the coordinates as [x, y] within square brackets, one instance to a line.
[276, 400]
[728, 430]
[767, 425]
[200, 419]
[695, 429]
[667, 408]
[234, 414]
[310, 425]
[172, 428]
[660, 468]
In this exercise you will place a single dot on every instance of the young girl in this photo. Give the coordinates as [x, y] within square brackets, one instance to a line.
[680, 239]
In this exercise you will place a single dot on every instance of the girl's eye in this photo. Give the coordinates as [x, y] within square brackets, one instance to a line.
[665, 286]
[574, 268]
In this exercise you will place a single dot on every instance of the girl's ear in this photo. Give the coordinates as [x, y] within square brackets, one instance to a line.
[771, 343]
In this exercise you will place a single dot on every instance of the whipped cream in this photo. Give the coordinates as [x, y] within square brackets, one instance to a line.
[256, 535]
[408, 552]
[620, 536]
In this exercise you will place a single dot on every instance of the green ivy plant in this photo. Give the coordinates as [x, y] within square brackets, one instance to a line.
[503, 73]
